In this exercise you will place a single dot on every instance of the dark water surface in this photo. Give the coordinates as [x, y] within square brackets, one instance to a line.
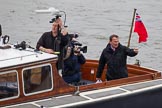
[94, 20]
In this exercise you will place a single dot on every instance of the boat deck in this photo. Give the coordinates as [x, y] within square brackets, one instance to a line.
[95, 96]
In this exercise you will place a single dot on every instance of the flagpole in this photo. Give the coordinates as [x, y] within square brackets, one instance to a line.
[130, 33]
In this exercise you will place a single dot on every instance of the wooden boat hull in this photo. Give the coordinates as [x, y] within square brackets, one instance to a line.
[137, 95]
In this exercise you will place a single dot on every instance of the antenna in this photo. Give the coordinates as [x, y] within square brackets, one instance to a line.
[52, 11]
[0, 30]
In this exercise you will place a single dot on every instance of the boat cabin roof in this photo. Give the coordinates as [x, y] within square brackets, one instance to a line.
[12, 56]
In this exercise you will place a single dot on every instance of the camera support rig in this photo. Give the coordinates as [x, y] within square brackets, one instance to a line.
[53, 11]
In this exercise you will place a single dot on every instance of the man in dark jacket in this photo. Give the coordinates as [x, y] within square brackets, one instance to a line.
[54, 41]
[115, 56]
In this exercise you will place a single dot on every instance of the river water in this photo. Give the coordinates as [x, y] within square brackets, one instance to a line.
[93, 20]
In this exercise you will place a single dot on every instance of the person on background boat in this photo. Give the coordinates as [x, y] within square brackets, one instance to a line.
[54, 41]
[115, 56]
[72, 63]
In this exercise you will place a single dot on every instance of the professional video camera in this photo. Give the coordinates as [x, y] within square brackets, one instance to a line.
[77, 47]
[22, 45]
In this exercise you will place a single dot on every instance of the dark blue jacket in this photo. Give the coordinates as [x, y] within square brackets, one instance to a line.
[72, 65]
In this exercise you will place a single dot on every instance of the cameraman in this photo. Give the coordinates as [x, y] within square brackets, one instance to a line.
[72, 64]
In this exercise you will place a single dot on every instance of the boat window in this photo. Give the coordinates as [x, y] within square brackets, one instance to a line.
[37, 79]
[8, 85]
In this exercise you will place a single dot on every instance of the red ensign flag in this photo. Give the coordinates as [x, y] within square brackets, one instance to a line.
[140, 29]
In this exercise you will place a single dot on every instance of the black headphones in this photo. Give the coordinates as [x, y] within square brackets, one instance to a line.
[5, 38]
